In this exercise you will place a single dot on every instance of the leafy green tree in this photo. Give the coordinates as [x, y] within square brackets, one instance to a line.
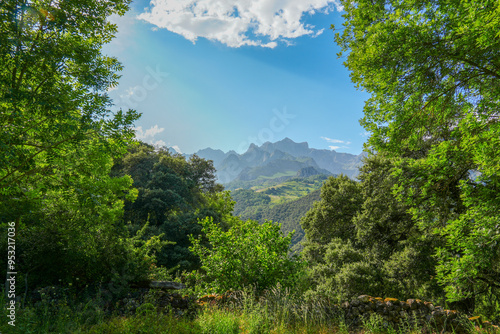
[330, 237]
[248, 253]
[173, 193]
[53, 83]
[388, 232]
[432, 69]
[363, 241]
[59, 138]
[332, 216]
[73, 232]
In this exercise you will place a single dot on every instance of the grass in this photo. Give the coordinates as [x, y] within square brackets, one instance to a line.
[278, 311]
[291, 189]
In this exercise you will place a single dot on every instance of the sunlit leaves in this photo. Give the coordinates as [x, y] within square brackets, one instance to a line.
[433, 71]
[247, 254]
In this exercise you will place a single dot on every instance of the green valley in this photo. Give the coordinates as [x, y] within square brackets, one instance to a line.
[285, 203]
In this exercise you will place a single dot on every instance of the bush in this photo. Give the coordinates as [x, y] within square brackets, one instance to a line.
[247, 254]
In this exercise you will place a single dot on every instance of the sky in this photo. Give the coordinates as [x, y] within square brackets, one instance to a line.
[225, 74]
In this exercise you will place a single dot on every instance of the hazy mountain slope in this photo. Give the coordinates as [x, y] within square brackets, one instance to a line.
[274, 160]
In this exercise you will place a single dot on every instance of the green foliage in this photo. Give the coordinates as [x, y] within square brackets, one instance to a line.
[247, 254]
[361, 240]
[219, 322]
[247, 200]
[59, 140]
[53, 83]
[332, 216]
[343, 271]
[433, 74]
[141, 260]
[172, 195]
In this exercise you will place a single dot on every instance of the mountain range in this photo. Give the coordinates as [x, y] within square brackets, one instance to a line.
[281, 160]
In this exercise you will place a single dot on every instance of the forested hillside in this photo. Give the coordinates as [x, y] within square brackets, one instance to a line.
[285, 203]
[289, 214]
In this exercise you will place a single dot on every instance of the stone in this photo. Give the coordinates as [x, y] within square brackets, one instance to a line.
[390, 300]
[413, 304]
[364, 298]
[166, 285]
[355, 302]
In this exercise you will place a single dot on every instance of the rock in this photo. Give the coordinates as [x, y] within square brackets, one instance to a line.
[364, 298]
[413, 311]
[390, 300]
[429, 306]
[413, 304]
[166, 285]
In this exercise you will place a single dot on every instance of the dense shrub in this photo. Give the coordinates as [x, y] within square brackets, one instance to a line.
[247, 254]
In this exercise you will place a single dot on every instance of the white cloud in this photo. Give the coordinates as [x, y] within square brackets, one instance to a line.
[177, 149]
[246, 22]
[332, 140]
[159, 143]
[336, 141]
[345, 144]
[149, 134]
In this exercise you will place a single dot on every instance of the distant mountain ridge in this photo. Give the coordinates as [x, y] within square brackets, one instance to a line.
[281, 159]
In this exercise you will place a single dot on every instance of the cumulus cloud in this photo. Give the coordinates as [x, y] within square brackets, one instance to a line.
[247, 22]
[149, 134]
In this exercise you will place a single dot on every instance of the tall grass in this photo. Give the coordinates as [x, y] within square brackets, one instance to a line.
[276, 311]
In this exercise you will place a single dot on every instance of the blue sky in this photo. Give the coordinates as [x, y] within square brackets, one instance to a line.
[224, 74]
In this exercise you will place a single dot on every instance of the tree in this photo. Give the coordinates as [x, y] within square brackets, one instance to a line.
[331, 236]
[433, 69]
[53, 84]
[332, 216]
[390, 234]
[173, 193]
[363, 241]
[58, 139]
[247, 254]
